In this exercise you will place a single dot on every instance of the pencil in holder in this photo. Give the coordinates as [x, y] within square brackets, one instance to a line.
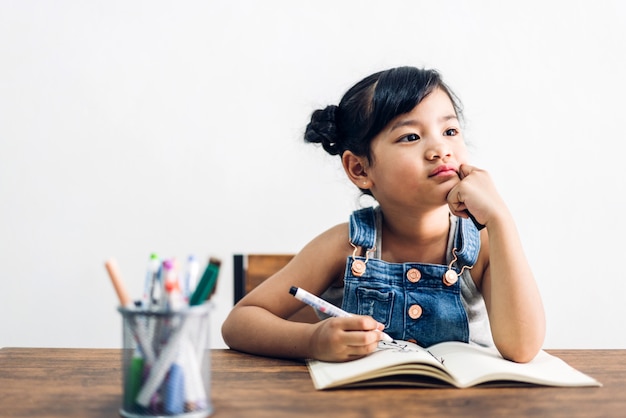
[166, 364]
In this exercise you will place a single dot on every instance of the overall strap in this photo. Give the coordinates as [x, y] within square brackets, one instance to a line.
[362, 228]
[466, 242]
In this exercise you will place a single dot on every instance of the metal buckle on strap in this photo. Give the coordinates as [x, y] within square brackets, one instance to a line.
[359, 266]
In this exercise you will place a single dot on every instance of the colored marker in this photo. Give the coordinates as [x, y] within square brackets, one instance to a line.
[325, 307]
[152, 279]
[174, 391]
[191, 277]
[206, 287]
[478, 225]
[133, 380]
[169, 279]
[175, 300]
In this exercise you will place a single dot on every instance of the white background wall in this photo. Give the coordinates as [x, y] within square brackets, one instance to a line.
[131, 127]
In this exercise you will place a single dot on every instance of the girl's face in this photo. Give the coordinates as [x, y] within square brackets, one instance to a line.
[416, 158]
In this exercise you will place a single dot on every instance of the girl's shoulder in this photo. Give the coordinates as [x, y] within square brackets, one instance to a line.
[322, 261]
[333, 241]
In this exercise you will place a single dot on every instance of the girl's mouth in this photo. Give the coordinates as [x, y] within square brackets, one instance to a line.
[443, 171]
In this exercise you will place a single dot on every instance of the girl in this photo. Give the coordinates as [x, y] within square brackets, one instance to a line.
[418, 266]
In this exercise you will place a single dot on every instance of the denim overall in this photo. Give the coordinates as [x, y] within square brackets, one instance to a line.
[411, 299]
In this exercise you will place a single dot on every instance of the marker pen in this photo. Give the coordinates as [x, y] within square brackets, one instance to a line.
[133, 380]
[325, 307]
[175, 300]
[152, 278]
[207, 283]
[169, 279]
[478, 225]
[174, 390]
[191, 277]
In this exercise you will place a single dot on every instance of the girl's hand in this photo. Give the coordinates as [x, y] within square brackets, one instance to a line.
[513, 302]
[343, 339]
[477, 194]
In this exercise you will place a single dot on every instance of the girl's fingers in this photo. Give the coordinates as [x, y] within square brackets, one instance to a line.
[465, 170]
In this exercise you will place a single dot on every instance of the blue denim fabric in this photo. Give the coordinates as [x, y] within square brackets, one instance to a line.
[385, 293]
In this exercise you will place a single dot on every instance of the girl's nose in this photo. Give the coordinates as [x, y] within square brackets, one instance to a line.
[438, 149]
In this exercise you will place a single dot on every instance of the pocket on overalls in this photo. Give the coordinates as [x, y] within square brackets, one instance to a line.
[376, 303]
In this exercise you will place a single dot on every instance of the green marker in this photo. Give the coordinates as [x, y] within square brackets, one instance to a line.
[207, 283]
[133, 382]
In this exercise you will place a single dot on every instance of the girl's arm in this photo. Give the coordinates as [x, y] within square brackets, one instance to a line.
[511, 295]
[257, 323]
[508, 286]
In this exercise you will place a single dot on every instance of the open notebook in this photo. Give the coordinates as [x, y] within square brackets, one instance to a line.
[443, 365]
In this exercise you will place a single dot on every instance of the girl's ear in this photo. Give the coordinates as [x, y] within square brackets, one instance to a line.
[356, 169]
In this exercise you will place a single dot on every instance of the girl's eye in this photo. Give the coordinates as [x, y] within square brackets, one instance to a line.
[410, 138]
[451, 132]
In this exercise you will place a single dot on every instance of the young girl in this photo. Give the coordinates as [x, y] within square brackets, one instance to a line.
[419, 266]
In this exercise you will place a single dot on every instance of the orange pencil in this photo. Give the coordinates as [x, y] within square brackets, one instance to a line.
[118, 284]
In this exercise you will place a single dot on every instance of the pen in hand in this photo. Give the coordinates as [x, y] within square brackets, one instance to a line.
[325, 307]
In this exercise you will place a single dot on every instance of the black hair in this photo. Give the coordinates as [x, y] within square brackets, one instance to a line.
[370, 105]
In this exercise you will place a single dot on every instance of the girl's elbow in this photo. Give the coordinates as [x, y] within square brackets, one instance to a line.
[229, 332]
[521, 354]
[521, 351]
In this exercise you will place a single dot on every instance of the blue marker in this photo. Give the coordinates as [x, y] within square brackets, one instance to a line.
[174, 397]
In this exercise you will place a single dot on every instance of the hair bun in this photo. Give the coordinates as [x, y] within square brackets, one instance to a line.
[323, 129]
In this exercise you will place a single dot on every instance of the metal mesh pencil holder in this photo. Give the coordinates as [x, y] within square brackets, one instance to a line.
[166, 364]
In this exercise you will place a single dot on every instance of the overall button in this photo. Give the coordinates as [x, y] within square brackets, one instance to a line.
[415, 311]
[358, 268]
[450, 278]
[413, 275]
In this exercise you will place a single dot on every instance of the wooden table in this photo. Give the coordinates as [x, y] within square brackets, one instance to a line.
[59, 382]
